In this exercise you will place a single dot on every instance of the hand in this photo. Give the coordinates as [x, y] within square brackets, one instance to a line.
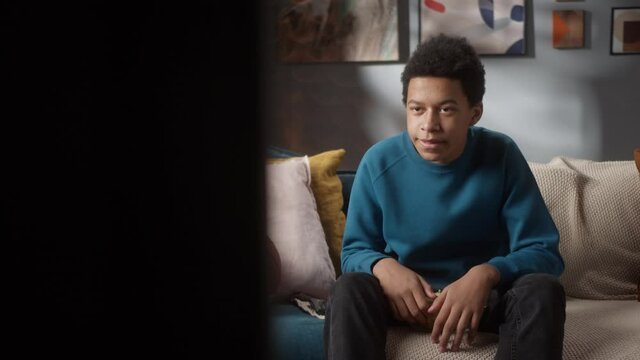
[409, 294]
[460, 306]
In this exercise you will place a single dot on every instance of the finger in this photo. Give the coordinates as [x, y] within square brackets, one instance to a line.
[473, 330]
[439, 323]
[415, 311]
[463, 324]
[427, 288]
[420, 312]
[403, 312]
[423, 302]
[448, 329]
[437, 303]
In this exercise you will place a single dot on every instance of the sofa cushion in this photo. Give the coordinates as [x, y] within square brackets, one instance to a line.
[406, 342]
[594, 329]
[294, 226]
[272, 266]
[327, 189]
[294, 334]
[595, 206]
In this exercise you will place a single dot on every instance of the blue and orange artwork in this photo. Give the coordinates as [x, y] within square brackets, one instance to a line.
[492, 27]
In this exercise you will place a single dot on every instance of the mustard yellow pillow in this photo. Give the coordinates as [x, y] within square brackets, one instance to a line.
[327, 189]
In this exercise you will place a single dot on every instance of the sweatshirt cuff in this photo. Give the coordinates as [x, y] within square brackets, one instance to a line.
[368, 262]
[505, 268]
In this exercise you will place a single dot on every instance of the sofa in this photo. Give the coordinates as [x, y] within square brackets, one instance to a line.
[596, 207]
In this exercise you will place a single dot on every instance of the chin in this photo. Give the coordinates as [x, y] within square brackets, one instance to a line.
[435, 158]
[431, 157]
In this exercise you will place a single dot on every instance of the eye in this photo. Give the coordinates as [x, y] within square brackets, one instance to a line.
[447, 109]
[415, 109]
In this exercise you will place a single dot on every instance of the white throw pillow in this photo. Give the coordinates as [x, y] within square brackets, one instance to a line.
[293, 224]
[596, 207]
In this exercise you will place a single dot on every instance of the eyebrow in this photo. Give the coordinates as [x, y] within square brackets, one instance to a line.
[446, 101]
[449, 101]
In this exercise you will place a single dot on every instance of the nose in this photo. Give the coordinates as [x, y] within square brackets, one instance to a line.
[430, 121]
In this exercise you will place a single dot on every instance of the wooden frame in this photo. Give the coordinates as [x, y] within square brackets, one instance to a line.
[625, 31]
[568, 29]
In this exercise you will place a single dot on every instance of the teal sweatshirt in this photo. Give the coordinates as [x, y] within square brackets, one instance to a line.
[441, 220]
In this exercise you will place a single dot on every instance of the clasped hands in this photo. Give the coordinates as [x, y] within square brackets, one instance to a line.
[457, 309]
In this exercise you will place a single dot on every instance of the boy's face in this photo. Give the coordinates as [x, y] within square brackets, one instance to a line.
[438, 116]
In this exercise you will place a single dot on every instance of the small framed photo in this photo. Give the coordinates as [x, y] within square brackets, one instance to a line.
[568, 29]
[625, 30]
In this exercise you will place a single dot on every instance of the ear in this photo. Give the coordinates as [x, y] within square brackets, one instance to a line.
[476, 111]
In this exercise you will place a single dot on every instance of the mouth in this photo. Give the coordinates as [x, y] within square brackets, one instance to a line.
[431, 144]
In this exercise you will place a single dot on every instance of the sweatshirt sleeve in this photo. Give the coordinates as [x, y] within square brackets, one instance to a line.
[363, 243]
[533, 236]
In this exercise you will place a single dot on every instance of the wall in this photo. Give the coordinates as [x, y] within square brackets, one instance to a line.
[572, 102]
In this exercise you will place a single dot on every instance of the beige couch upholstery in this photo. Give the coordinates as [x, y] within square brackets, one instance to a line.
[596, 207]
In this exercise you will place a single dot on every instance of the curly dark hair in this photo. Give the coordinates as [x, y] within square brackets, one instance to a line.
[450, 57]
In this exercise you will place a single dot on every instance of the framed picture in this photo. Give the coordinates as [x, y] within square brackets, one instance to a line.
[625, 30]
[317, 31]
[492, 27]
[568, 29]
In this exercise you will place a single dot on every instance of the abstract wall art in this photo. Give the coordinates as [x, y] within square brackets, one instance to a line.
[625, 30]
[568, 29]
[493, 27]
[316, 31]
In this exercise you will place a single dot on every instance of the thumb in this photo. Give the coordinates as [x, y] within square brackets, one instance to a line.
[427, 288]
[437, 303]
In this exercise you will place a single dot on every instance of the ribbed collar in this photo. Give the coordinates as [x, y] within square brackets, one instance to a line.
[458, 163]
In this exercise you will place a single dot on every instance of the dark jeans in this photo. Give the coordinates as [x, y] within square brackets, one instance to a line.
[529, 318]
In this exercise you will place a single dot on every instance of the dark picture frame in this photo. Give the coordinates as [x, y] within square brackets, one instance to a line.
[491, 27]
[625, 30]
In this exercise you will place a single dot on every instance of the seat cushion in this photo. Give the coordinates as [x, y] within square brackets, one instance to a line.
[594, 329]
[294, 334]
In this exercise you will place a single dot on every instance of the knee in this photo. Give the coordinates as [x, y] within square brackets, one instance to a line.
[351, 283]
[543, 286]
